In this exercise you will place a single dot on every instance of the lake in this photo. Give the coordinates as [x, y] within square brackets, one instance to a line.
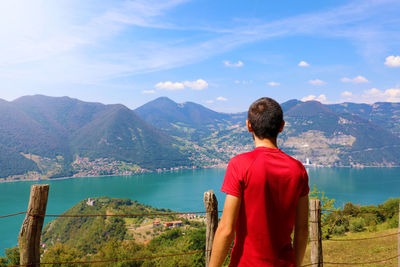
[183, 191]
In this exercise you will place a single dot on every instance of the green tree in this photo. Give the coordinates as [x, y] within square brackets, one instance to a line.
[12, 255]
[327, 204]
[3, 261]
[61, 253]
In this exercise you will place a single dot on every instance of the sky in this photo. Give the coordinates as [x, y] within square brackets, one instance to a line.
[221, 54]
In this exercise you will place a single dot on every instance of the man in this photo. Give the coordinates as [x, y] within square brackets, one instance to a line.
[267, 195]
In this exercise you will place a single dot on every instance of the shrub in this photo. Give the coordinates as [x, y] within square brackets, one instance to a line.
[339, 229]
[357, 225]
[393, 222]
[351, 209]
[372, 226]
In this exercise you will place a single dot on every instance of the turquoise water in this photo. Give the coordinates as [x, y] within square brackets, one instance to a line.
[183, 191]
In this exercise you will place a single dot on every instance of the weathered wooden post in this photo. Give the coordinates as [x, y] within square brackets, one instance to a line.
[315, 233]
[398, 241]
[211, 205]
[31, 230]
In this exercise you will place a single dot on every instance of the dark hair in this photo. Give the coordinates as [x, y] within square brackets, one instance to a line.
[265, 116]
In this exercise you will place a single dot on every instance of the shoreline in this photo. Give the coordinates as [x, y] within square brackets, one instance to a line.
[165, 171]
[110, 175]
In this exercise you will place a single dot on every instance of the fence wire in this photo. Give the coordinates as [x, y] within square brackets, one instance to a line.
[108, 215]
[14, 214]
[116, 260]
[362, 212]
[200, 251]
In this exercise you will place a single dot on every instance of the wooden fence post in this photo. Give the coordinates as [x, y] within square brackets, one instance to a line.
[211, 205]
[31, 229]
[315, 233]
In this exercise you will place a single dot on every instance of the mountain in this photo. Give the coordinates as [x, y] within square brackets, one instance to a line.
[187, 119]
[206, 134]
[61, 136]
[56, 129]
[61, 115]
[20, 134]
[385, 114]
[119, 133]
[329, 136]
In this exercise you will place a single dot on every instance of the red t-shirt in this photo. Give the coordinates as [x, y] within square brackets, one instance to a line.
[270, 184]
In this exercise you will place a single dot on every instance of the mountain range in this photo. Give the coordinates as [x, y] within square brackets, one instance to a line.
[40, 131]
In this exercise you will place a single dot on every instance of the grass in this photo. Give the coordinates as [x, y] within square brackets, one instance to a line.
[361, 250]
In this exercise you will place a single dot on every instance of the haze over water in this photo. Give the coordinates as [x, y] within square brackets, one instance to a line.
[183, 191]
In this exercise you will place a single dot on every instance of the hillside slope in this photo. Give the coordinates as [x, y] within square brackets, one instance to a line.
[385, 114]
[47, 135]
[325, 134]
[326, 137]
[57, 129]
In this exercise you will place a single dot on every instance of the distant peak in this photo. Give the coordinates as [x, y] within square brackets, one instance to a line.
[163, 99]
[309, 108]
[41, 97]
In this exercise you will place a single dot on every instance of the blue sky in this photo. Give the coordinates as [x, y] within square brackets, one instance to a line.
[221, 54]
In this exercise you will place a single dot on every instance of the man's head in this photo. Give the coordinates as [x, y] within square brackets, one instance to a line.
[265, 118]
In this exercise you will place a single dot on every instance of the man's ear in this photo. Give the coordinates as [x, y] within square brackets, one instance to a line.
[249, 126]
[282, 126]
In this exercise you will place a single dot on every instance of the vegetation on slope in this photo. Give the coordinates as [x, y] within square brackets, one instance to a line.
[165, 134]
[102, 238]
[98, 238]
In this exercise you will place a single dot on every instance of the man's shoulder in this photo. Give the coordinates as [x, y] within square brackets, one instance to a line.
[293, 160]
[244, 156]
[243, 160]
[247, 158]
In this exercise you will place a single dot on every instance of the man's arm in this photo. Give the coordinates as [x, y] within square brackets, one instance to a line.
[225, 231]
[301, 229]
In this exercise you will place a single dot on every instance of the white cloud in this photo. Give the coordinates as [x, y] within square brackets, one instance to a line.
[200, 84]
[303, 64]
[373, 95]
[110, 22]
[209, 101]
[232, 64]
[243, 82]
[221, 98]
[393, 61]
[170, 86]
[320, 98]
[346, 94]
[316, 82]
[376, 95]
[358, 79]
[148, 92]
[393, 95]
[273, 84]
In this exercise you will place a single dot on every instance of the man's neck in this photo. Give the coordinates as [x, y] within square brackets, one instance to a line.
[266, 142]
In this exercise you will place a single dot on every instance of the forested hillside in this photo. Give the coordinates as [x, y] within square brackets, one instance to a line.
[99, 238]
[47, 137]
[39, 131]
[327, 135]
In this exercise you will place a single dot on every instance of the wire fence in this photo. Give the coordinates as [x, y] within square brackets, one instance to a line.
[353, 263]
[107, 215]
[116, 260]
[204, 251]
[14, 214]
[341, 215]
[362, 212]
